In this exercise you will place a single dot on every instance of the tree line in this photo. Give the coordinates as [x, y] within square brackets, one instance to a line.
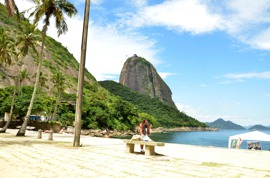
[165, 115]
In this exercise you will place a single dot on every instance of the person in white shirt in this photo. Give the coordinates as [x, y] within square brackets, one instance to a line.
[145, 131]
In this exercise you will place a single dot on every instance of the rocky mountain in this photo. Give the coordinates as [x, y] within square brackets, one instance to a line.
[225, 125]
[259, 127]
[140, 75]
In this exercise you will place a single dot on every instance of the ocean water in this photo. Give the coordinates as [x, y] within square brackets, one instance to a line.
[205, 138]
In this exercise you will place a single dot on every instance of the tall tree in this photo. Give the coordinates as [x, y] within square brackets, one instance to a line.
[47, 9]
[22, 76]
[78, 114]
[7, 54]
[7, 47]
[58, 80]
[26, 40]
[43, 80]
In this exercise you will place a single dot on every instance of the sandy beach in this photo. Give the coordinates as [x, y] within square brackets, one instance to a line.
[105, 157]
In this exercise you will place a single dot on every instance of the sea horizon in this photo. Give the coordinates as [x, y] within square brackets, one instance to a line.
[218, 138]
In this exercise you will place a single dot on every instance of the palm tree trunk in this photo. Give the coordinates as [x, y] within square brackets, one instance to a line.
[56, 105]
[78, 114]
[20, 88]
[10, 6]
[3, 130]
[22, 130]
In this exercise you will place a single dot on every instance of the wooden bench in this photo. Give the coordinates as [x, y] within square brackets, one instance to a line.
[149, 146]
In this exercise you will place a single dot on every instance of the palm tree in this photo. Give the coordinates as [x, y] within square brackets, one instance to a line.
[78, 114]
[26, 40]
[3, 130]
[43, 80]
[48, 9]
[59, 84]
[7, 54]
[22, 76]
[7, 47]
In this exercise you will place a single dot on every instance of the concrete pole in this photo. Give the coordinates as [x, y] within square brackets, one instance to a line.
[39, 134]
[50, 137]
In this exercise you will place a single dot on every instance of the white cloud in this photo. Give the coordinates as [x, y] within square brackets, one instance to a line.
[164, 75]
[249, 11]
[244, 20]
[261, 40]
[107, 47]
[257, 75]
[196, 113]
[187, 109]
[181, 15]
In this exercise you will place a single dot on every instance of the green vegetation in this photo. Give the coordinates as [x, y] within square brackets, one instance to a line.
[142, 60]
[4, 16]
[60, 54]
[100, 108]
[166, 116]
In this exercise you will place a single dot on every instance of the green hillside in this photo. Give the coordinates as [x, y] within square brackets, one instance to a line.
[260, 128]
[101, 109]
[226, 125]
[166, 116]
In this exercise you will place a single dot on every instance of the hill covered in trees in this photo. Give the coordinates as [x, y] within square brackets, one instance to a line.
[226, 125]
[166, 116]
[259, 127]
[59, 76]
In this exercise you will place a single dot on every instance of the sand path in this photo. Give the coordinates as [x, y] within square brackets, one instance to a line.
[103, 157]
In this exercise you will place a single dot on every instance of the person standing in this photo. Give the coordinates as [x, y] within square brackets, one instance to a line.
[145, 131]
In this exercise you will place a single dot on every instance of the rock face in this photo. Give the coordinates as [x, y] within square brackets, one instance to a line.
[140, 75]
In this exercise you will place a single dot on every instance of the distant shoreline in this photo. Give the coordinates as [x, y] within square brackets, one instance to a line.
[182, 129]
[127, 134]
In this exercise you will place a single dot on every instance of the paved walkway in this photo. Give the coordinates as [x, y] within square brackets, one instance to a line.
[102, 157]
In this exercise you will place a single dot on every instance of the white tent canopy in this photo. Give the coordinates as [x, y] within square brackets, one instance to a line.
[254, 136]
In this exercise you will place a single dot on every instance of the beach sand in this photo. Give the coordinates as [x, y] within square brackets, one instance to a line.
[105, 157]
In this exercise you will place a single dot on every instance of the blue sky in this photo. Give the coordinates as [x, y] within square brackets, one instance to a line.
[213, 54]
